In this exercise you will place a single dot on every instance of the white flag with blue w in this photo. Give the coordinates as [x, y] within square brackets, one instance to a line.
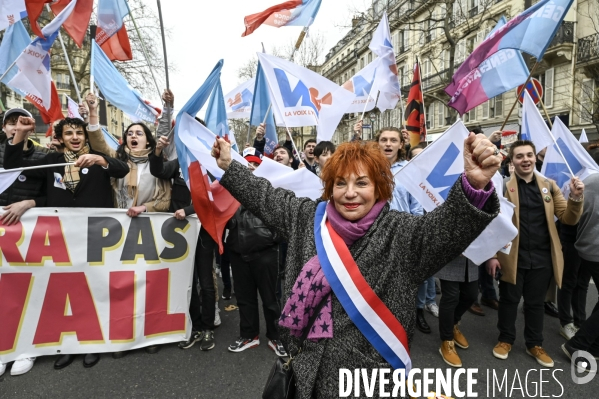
[579, 160]
[430, 176]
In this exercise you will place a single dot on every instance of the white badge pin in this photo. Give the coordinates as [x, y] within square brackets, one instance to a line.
[545, 191]
[22, 178]
[84, 171]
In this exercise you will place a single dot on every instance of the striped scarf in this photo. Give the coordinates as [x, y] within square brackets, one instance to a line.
[71, 173]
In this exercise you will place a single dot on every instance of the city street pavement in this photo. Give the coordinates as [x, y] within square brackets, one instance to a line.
[218, 373]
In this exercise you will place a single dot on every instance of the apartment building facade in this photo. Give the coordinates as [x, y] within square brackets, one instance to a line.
[425, 30]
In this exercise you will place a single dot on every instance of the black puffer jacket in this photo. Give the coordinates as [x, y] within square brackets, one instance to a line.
[249, 236]
[25, 187]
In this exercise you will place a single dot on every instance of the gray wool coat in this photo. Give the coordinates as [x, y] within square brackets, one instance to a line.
[456, 270]
[395, 256]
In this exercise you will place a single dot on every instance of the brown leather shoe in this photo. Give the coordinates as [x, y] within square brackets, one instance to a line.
[542, 357]
[476, 309]
[492, 303]
[449, 355]
[459, 338]
[502, 350]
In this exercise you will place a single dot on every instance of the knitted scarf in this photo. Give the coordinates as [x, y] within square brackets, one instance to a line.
[311, 285]
[71, 172]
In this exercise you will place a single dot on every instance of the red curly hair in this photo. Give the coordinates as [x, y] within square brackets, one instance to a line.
[349, 158]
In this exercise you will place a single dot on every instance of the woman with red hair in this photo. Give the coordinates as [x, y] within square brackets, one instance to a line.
[354, 265]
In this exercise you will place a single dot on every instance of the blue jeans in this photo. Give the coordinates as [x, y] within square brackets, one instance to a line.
[426, 293]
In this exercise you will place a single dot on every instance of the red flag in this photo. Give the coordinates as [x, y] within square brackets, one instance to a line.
[34, 10]
[415, 119]
[48, 115]
[77, 23]
[117, 47]
[252, 22]
[213, 204]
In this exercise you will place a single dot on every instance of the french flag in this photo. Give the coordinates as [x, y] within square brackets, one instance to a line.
[112, 34]
[289, 13]
[213, 204]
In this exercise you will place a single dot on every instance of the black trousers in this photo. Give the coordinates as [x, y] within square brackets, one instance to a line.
[531, 284]
[456, 299]
[257, 275]
[587, 338]
[225, 267]
[202, 315]
[575, 285]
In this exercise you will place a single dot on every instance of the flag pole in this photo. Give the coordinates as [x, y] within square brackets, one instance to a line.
[36, 167]
[168, 109]
[518, 95]
[66, 57]
[8, 69]
[421, 92]
[143, 47]
[543, 105]
[293, 146]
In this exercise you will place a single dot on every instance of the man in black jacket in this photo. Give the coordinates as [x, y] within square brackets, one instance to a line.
[26, 192]
[86, 184]
[255, 264]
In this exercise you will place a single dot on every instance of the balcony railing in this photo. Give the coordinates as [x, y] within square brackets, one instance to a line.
[565, 34]
[588, 49]
[63, 86]
[433, 81]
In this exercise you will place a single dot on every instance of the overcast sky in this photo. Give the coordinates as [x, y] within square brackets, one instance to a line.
[203, 32]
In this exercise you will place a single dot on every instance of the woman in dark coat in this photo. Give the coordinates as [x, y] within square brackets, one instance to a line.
[395, 252]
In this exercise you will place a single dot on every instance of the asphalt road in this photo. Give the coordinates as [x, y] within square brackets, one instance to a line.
[191, 373]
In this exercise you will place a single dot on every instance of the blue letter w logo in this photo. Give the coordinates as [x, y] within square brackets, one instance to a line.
[438, 178]
[292, 97]
[362, 87]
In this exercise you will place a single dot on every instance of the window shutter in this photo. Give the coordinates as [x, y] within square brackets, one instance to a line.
[440, 114]
[486, 109]
[586, 103]
[498, 106]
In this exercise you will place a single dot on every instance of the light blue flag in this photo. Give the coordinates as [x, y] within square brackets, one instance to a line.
[116, 89]
[216, 116]
[260, 104]
[110, 139]
[15, 40]
[192, 107]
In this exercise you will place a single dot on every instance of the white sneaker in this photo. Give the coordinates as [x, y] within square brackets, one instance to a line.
[432, 308]
[217, 321]
[22, 366]
[2, 368]
[568, 331]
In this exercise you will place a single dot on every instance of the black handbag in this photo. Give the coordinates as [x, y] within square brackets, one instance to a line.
[281, 379]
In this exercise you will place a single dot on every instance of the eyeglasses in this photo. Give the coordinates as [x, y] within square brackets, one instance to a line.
[137, 133]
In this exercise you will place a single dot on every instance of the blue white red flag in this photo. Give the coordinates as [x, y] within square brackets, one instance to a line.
[111, 34]
[366, 310]
[289, 13]
[213, 204]
[579, 160]
[15, 41]
[534, 127]
[76, 25]
[499, 73]
[429, 179]
[116, 89]
[302, 97]
[531, 31]
[34, 63]
[11, 11]
[262, 104]
[239, 100]
[216, 116]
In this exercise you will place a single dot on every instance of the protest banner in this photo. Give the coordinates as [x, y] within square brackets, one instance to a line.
[94, 280]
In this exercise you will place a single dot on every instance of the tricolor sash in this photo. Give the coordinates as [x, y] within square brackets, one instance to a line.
[364, 307]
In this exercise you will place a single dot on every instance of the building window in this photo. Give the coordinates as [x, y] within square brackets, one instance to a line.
[405, 38]
[586, 103]
[440, 114]
[426, 72]
[430, 116]
[401, 71]
[486, 109]
[496, 106]
[460, 52]
[369, 58]
[547, 81]
[396, 45]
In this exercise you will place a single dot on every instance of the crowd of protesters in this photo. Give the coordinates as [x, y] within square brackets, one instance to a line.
[556, 245]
